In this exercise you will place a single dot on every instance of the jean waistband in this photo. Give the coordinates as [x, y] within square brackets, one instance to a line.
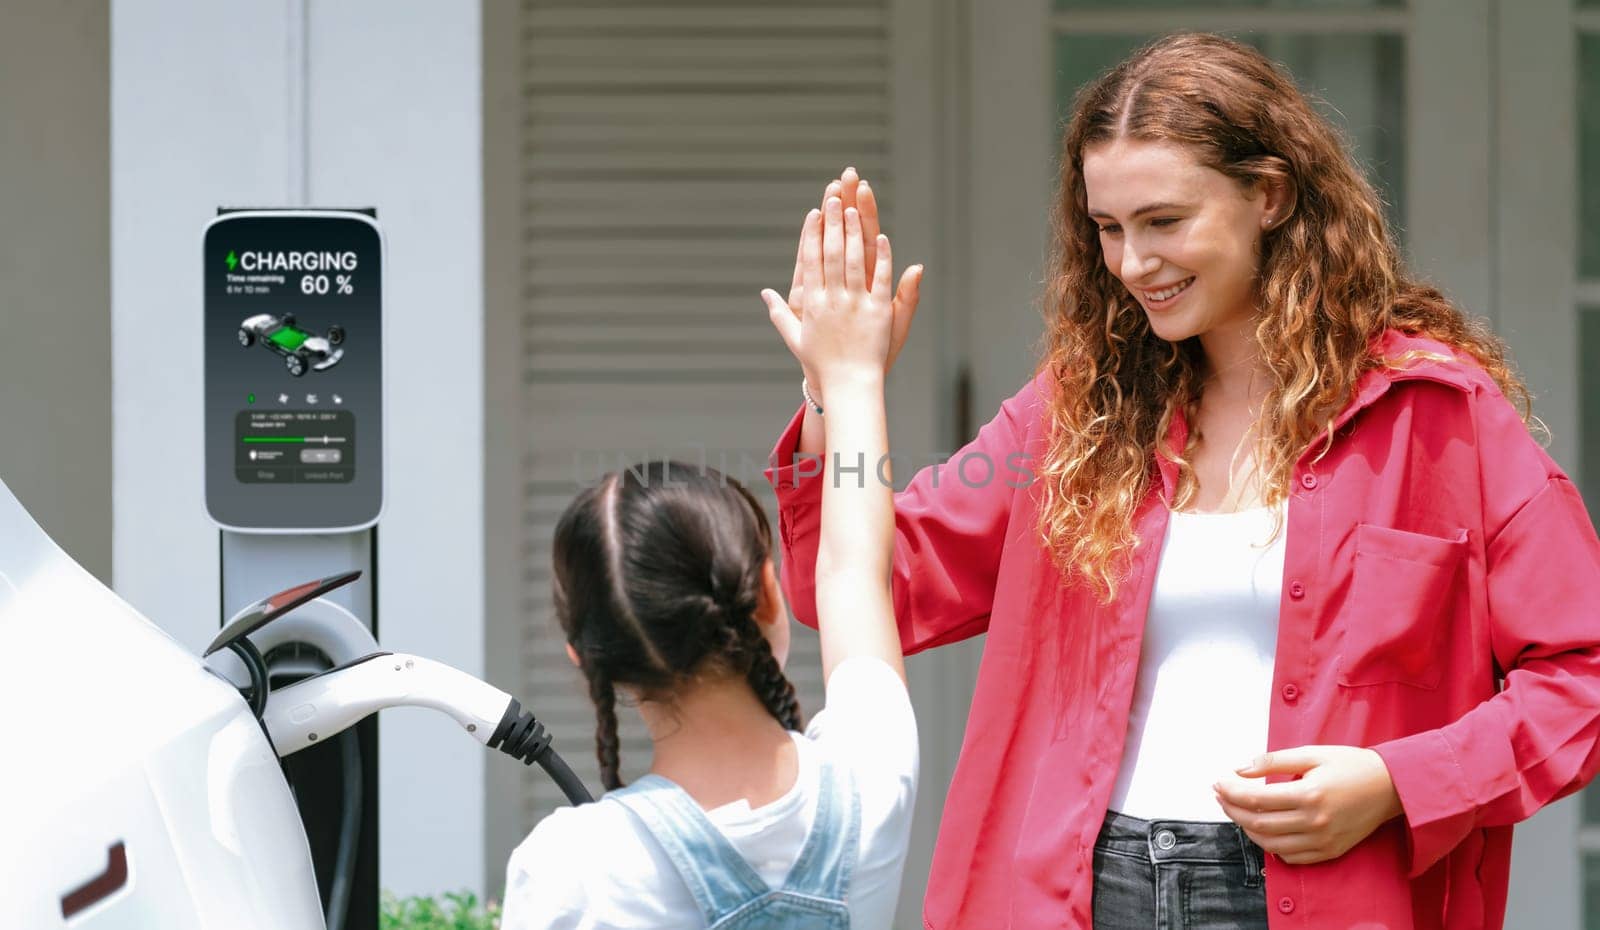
[1170, 840]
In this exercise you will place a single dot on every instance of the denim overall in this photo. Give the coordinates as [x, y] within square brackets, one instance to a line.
[730, 894]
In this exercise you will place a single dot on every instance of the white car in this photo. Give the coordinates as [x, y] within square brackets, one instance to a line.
[142, 789]
[301, 350]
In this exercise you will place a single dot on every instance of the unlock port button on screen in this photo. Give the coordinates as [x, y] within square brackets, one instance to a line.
[306, 446]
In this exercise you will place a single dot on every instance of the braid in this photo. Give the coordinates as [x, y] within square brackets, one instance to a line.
[766, 676]
[605, 731]
[658, 575]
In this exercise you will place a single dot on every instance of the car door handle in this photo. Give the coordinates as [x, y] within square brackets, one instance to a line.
[100, 887]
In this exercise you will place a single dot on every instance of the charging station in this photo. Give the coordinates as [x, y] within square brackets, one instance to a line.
[294, 476]
[238, 787]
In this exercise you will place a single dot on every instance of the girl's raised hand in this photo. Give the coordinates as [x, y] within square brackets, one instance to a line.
[845, 326]
[853, 191]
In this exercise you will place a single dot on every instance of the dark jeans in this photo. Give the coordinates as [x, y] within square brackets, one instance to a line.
[1177, 875]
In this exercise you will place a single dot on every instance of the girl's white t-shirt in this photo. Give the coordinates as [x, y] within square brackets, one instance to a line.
[595, 866]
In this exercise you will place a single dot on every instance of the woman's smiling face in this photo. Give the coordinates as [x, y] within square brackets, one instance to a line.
[1183, 238]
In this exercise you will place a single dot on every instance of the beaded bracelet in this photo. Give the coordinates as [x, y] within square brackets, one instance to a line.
[805, 391]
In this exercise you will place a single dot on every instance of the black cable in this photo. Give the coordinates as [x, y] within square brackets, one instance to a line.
[286, 662]
[344, 860]
[564, 778]
[521, 736]
[251, 657]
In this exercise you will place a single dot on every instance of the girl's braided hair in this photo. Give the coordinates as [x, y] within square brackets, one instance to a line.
[658, 579]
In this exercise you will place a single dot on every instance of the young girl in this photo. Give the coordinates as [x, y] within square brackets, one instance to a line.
[666, 592]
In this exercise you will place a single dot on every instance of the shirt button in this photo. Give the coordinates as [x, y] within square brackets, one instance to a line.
[1286, 905]
[1297, 590]
[1308, 480]
[1291, 693]
[1165, 839]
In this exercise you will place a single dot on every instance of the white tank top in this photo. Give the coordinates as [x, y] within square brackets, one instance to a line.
[1205, 671]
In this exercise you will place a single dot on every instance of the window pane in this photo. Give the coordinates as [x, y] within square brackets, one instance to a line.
[1591, 890]
[1064, 5]
[1589, 155]
[1589, 459]
[1358, 82]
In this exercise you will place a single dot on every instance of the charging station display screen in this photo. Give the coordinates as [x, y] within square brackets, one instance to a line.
[293, 370]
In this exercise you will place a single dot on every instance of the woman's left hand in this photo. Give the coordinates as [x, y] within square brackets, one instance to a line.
[854, 192]
[1340, 795]
[845, 329]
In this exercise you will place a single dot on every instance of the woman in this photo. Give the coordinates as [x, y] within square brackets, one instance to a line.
[1282, 503]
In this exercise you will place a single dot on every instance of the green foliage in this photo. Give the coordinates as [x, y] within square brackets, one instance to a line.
[453, 910]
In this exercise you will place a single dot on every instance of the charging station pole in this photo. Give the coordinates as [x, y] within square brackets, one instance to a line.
[294, 467]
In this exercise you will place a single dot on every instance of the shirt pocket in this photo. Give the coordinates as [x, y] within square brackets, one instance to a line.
[1403, 587]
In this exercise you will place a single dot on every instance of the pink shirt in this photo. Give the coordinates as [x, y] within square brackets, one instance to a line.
[1441, 604]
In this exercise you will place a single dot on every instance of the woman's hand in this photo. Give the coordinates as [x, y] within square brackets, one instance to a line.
[1342, 795]
[852, 191]
[844, 329]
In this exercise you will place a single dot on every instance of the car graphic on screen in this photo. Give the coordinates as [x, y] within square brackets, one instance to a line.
[301, 350]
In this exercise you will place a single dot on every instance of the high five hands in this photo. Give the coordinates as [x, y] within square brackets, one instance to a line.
[1341, 795]
[856, 203]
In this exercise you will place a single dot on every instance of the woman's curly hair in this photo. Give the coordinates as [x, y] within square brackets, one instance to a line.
[1331, 282]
